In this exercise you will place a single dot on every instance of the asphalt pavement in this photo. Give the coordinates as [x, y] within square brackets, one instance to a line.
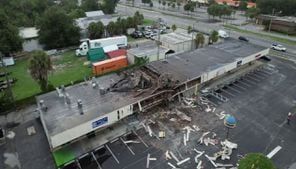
[198, 23]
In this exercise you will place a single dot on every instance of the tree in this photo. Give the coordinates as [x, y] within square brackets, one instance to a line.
[111, 28]
[151, 4]
[189, 29]
[243, 5]
[77, 13]
[178, 4]
[10, 41]
[90, 5]
[255, 161]
[96, 30]
[109, 6]
[163, 4]
[138, 18]
[146, 1]
[173, 5]
[174, 27]
[57, 29]
[189, 7]
[39, 66]
[287, 7]
[252, 12]
[199, 40]
[213, 37]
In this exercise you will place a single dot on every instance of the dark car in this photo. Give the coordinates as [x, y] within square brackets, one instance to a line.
[243, 39]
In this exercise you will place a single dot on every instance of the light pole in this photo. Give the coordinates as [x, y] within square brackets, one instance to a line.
[230, 123]
[272, 15]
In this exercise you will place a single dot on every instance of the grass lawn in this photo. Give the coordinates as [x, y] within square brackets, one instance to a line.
[147, 22]
[67, 68]
[274, 38]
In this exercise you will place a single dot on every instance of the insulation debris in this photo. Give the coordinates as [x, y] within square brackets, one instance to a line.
[161, 134]
[226, 151]
[174, 157]
[183, 116]
[221, 115]
[171, 165]
[167, 155]
[196, 128]
[183, 161]
[199, 165]
[211, 159]
[202, 137]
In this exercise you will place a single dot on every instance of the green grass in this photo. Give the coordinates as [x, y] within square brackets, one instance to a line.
[131, 39]
[274, 38]
[256, 161]
[67, 68]
[147, 22]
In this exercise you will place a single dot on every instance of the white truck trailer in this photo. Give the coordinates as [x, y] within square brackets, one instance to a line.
[119, 41]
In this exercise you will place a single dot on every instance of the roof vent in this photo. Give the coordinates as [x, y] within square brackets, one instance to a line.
[80, 106]
[43, 107]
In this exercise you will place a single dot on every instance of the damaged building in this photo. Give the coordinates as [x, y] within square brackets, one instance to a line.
[70, 115]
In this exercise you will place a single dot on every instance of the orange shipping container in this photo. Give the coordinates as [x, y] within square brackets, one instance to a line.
[109, 65]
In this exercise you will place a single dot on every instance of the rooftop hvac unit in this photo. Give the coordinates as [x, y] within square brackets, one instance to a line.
[42, 105]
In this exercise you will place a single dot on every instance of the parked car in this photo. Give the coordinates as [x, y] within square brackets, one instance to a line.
[137, 34]
[243, 39]
[278, 47]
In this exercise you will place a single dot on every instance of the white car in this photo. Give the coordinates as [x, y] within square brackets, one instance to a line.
[278, 47]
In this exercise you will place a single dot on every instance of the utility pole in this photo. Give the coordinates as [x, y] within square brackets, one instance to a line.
[271, 19]
[7, 79]
[158, 37]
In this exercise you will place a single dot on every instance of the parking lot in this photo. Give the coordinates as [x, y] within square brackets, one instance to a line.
[243, 84]
[127, 151]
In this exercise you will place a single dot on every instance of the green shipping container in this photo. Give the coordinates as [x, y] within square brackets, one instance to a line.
[96, 54]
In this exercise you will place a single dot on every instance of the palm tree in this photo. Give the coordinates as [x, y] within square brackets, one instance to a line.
[199, 40]
[213, 37]
[39, 66]
[174, 27]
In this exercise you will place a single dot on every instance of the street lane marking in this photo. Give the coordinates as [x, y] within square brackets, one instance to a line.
[274, 151]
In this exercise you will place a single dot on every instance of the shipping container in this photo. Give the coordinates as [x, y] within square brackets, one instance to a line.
[116, 53]
[96, 54]
[109, 65]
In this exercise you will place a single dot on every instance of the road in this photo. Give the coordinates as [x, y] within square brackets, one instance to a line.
[198, 24]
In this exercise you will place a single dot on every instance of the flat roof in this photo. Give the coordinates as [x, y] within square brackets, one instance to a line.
[192, 64]
[176, 37]
[60, 116]
[94, 13]
[147, 49]
[28, 33]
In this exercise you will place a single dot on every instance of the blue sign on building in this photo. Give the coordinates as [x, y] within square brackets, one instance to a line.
[100, 122]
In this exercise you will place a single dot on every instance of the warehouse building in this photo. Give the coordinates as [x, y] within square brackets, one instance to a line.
[72, 114]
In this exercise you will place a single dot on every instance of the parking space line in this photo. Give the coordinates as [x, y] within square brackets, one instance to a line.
[114, 140]
[77, 162]
[262, 73]
[253, 78]
[243, 83]
[99, 166]
[115, 158]
[249, 81]
[259, 76]
[233, 89]
[127, 146]
[242, 88]
[228, 92]
[266, 71]
[140, 138]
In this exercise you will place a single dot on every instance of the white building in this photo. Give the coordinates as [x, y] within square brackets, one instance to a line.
[30, 36]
